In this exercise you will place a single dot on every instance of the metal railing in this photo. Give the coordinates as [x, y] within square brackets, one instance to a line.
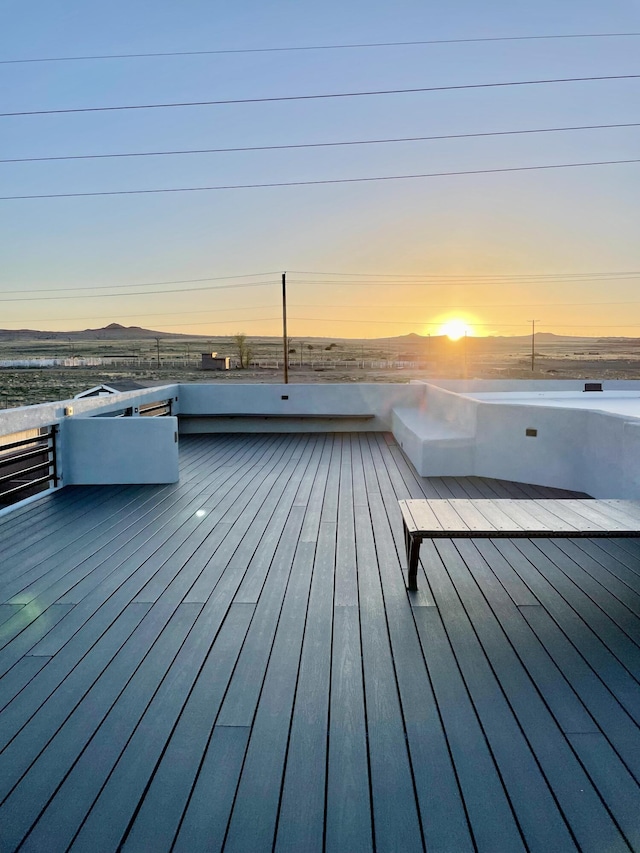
[27, 465]
[158, 409]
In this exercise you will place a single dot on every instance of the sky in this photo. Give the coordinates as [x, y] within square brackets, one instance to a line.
[492, 250]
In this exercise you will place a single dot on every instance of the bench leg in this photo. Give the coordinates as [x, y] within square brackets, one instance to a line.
[413, 553]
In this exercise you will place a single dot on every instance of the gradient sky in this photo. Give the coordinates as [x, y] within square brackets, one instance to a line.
[495, 250]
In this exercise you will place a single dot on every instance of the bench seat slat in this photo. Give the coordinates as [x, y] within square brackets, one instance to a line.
[422, 515]
[600, 514]
[502, 517]
[447, 516]
[543, 514]
[474, 516]
[625, 511]
[569, 511]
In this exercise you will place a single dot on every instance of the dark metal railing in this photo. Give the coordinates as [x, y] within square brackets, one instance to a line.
[28, 466]
[158, 409]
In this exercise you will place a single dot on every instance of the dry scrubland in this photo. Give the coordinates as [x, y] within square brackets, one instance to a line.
[311, 360]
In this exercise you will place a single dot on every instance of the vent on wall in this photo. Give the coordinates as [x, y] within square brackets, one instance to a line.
[593, 386]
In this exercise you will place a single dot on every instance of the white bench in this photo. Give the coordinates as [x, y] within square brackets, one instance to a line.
[508, 519]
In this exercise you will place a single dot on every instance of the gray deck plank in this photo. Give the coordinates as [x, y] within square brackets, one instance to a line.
[493, 824]
[156, 823]
[240, 703]
[202, 666]
[99, 731]
[444, 821]
[254, 817]
[348, 823]
[584, 636]
[395, 816]
[615, 632]
[302, 804]
[623, 584]
[150, 516]
[125, 572]
[566, 707]
[9, 610]
[581, 807]
[612, 720]
[113, 810]
[346, 579]
[205, 822]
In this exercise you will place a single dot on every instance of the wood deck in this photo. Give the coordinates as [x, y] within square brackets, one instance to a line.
[234, 663]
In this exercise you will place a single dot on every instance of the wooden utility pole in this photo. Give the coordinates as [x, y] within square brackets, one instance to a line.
[533, 345]
[285, 340]
[158, 350]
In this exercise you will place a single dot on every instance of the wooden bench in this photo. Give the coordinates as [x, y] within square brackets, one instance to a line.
[508, 519]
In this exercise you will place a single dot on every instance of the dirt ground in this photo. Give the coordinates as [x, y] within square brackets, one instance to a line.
[347, 362]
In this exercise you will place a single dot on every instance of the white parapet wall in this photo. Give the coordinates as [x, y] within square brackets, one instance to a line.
[438, 435]
[548, 433]
[101, 451]
[293, 408]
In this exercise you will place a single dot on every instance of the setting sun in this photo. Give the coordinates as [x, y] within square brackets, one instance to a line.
[454, 329]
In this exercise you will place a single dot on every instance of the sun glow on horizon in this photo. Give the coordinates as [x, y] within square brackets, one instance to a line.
[455, 329]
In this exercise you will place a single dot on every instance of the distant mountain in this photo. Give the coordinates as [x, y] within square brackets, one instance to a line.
[112, 332]
[117, 332]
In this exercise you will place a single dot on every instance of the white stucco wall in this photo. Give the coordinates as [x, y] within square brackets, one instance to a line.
[100, 451]
[303, 401]
[582, 449]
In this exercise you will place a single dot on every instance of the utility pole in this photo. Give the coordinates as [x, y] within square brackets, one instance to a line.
[533, 345]
[284, 328]
[465, 354]
[158, 351]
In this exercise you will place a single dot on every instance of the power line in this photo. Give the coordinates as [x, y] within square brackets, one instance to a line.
[137, 293]
[315, 144]
[319, 183]
[468, 281]
[466, 277]
[157, 283]
[291, 49]
[462, 282]
[323, 96]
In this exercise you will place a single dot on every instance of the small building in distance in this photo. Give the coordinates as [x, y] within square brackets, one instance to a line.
[212, 361]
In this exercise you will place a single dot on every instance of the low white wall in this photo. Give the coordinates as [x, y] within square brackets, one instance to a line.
[47, 414]
[464, 386]
[553, 457]
[100, 451]
[290, 402]
[438, 436]
[578, 449]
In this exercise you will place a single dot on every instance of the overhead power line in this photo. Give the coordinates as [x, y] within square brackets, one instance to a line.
[322, 96]
[158, 284]
[321, 182]
[316, 144]
[467, 277]
[136, 293]
[445, 281]
[390, 279]
[291, 49]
